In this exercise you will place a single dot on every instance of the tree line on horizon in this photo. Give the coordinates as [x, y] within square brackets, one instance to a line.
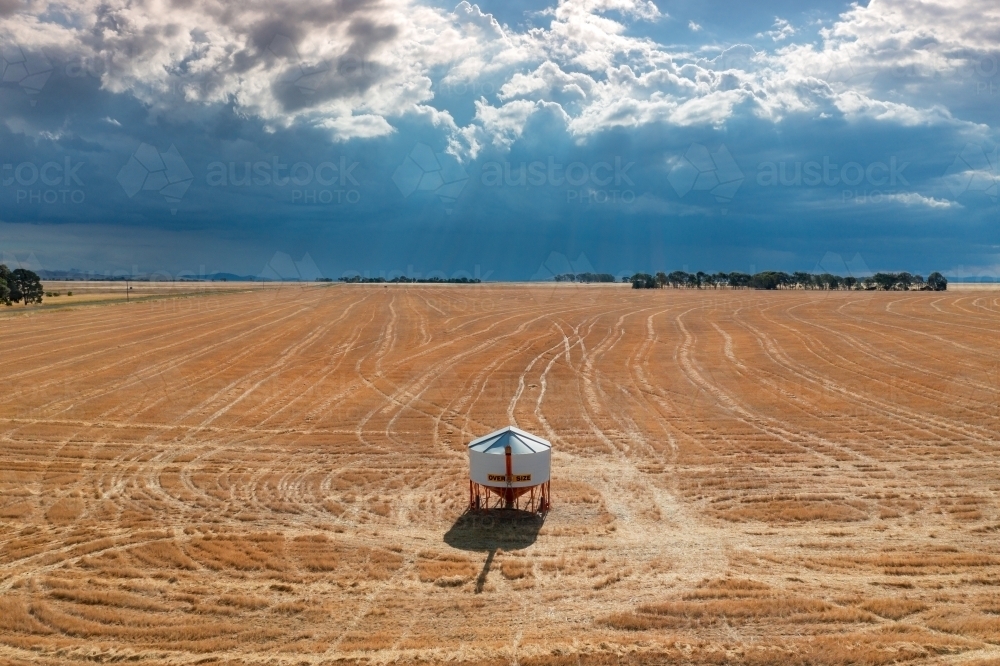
[19, 285]
[779, 280]
[585, 277]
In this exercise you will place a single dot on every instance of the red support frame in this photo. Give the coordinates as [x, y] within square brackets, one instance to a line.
[535, 499]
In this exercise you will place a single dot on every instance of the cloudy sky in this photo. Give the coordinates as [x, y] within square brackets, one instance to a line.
[508, 139]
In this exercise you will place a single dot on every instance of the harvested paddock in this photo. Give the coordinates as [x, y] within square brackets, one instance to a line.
[277, 475]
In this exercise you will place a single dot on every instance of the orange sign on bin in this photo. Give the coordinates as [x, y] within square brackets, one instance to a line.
[502, 478]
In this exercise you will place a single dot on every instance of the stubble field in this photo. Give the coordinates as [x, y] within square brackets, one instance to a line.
[278, 476]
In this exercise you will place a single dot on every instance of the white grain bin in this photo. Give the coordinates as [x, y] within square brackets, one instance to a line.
[509, 465]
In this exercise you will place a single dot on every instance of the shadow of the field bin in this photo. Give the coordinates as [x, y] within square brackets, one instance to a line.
[487, 531]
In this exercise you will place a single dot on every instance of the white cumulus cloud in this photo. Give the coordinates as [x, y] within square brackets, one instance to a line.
[915, 199]
[357, 69]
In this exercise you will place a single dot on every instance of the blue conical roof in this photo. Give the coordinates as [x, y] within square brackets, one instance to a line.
[519, 441]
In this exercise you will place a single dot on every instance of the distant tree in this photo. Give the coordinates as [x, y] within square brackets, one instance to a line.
[626, 279]
[643, 281]
[677, 279]
[827, 281]
[850, 282]
[739, 280]
[904, 280]
[15, 292]
[765, 280]
[25, 285]
[700, 279]
[661, 279]
[884, 281]
[590, 277]
[720, 279]
[595, 277]
[4, 284]
[937, 282]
